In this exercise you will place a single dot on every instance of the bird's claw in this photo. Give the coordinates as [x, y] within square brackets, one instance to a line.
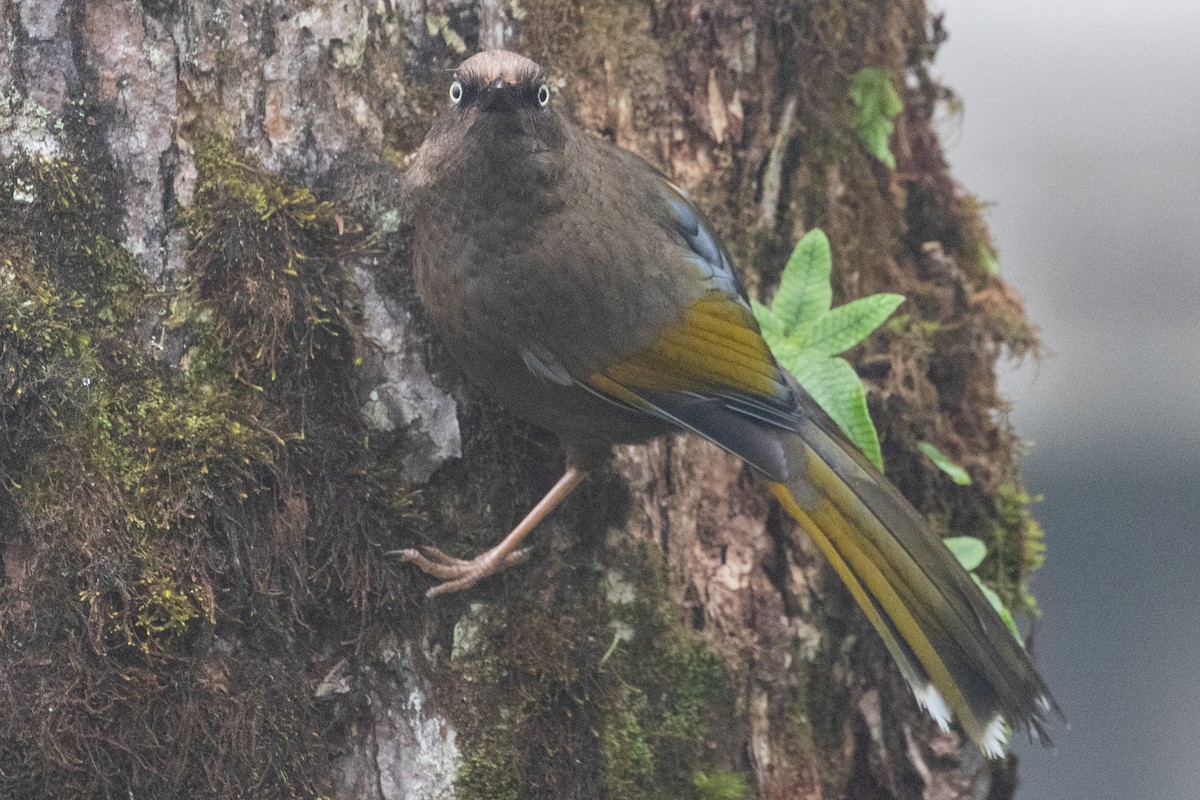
[457, 574]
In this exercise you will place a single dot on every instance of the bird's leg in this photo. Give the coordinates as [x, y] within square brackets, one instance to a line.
[457, 574]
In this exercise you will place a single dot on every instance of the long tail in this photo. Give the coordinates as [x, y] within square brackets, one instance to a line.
[949, 642]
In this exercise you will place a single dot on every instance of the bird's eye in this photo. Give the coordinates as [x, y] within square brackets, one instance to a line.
[456, 92]
[543, 95]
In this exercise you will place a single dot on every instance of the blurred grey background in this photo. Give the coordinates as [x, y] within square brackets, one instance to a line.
[1082, 127]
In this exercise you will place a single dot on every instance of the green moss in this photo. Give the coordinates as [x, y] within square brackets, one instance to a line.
[1019, 548]
[676, 687]
[150, 511]
[37, 186]
[489, 769]
[490, 752]
[40, 342]
[625, 749]
[601, 689]
[266, 264]
[53, 204]
[688, 699]
[167, 608]
[123, 454]
[920, 332]
[721, 785]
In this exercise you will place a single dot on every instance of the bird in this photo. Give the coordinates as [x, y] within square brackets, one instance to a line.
[583, 290]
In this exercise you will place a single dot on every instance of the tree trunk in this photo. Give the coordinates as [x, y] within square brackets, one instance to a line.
[219, 408]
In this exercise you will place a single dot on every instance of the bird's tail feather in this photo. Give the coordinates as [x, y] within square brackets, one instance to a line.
[948, 641]
[950, 644]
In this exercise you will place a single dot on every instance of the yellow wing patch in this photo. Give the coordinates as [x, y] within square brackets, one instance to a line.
[716, 346]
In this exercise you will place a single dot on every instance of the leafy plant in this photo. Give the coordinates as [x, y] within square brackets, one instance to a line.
[877, 102]
[970, 552]
[808, 335]
[943, 462]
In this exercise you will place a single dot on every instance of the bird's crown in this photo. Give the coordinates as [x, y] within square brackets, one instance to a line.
[485, 69]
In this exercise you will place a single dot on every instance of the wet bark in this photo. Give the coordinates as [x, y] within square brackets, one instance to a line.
[536, 684]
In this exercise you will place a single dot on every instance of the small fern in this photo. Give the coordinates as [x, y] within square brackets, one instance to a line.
[807, 336]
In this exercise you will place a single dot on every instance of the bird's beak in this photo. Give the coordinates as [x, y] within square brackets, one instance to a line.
[499, 95]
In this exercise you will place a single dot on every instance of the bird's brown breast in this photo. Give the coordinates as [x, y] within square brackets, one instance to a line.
[559, 259]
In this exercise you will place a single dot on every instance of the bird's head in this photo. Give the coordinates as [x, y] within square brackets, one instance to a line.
[499, 116]
[498, 81]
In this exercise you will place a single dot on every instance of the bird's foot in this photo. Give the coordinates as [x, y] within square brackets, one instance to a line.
[457, 574]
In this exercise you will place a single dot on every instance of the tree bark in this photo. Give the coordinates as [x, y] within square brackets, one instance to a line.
[220, 407]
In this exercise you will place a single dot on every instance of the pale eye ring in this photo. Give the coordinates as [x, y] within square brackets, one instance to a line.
[543, 95]
[456, 92]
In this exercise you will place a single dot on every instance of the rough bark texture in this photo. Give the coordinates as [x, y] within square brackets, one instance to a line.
[219, 407]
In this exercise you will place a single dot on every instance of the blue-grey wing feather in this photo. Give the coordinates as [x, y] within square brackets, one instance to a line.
[706, 252]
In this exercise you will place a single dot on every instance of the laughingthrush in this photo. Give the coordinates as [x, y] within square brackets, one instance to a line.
[583, 290]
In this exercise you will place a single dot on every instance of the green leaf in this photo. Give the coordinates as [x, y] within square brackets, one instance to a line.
[956, 473]
[836, 387]
[877, 102]
[845, 326]
[769, 322]
[1003, 611]
[804, 291]
[806, 334]
[789, 352]
[969, 551]
[988, 260]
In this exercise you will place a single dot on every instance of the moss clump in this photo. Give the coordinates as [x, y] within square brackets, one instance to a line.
[85, 258]
[603, 690]
[489, 768]
[266, 265]
[721, 785]
[173, 536]
[40, 348]
[686, 701]
[524, 668]
[624, 747]
[121, 461]
[1019, 548]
